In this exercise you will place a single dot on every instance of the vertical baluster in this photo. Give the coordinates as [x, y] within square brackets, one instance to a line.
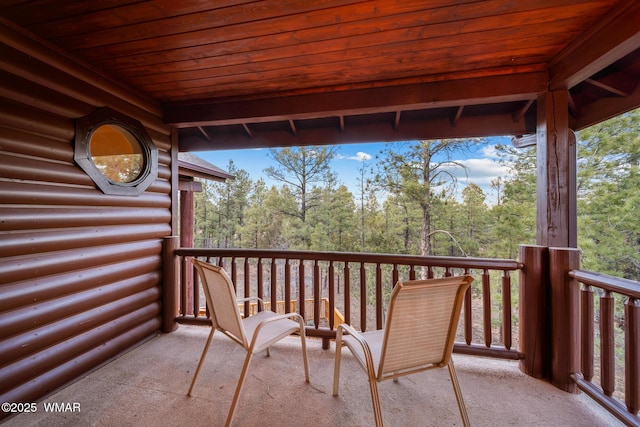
[394, 275]
[316, 294]
[260, 273]
[234, 274]
[347, 293]
[378, 296]
[274, 285]
[632, 354]
[332, 297]
[586, 327]
[301, 286]
[607, 346]
[468, 312]
[363, 298]
[486, 306]
[447, 272]
[187, 273]
[183, 285]
[247, 287]
[430, 272]
[287, 286]
[196, 291]
[506, 310]
[412, 272]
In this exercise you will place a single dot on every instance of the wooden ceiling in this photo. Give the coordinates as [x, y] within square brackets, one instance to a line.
[234, 74]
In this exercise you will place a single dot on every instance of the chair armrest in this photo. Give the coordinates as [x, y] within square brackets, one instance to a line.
[367, 363]
[260, 302]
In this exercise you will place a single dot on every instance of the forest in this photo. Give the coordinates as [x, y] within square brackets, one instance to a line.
[406, 202]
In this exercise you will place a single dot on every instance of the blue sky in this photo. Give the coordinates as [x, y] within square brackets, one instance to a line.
[481, 162]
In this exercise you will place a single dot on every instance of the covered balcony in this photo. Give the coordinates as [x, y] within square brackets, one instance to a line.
[98, 302]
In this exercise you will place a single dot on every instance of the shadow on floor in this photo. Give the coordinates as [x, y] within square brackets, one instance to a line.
[148, 385]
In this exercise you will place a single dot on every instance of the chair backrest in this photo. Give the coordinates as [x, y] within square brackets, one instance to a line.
[421, 324]
[221, 300]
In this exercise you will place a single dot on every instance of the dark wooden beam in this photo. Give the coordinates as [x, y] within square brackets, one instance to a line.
[617, 35]
[204, 132]
[294, 131]
[396, 122]
[556, 164]
[606, 87]
[472, 126]
[452, 93]
[519, 114]
[606, 108]
[456, 116]
[247, 130]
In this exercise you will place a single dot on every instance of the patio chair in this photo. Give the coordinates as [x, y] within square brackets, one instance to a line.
[418, 335]
[255, 333]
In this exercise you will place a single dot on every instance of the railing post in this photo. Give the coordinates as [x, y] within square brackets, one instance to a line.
[632, 354]
[534, 318]
[170, 283]
[565, 317]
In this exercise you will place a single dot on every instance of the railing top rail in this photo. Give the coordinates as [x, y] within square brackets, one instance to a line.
[610, 283]
[428, 261]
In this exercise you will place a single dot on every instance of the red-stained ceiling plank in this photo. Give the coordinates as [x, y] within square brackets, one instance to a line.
[617, 35]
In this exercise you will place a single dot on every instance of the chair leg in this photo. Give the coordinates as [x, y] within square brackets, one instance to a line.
[236, 396]
[375, 397]
[305, 358]
[204, 354]
[458, 392]
[336, 365]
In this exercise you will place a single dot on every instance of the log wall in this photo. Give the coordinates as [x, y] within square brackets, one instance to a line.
[80, 271]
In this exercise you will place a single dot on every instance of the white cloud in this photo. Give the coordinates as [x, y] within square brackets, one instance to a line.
[479, 171]
[360, 156]
[482, 171]
[490, 151]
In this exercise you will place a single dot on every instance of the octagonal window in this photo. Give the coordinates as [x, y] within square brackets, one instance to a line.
[116, 152]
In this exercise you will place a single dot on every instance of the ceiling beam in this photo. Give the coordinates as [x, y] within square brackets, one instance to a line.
[451, 93]
[605, 87]
[247, 130]
[396, 122]
[616, 35]
[472, 126]
[519, 114]
[606, 108]
[456, 117]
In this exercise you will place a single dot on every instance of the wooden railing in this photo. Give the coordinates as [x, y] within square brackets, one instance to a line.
[598, 298]
[358, 285]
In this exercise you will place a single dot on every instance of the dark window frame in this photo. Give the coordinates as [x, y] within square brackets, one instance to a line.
[85, 126]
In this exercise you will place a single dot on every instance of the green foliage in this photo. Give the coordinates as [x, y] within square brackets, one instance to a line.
[411, 194]
[608, 182]
[420, 175]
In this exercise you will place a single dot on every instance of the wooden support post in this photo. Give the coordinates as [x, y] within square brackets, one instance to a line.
[170, 284]
[556, 181]
[535, 335]
[565, 317]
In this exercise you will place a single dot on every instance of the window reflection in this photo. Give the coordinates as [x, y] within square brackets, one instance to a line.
[116, 153]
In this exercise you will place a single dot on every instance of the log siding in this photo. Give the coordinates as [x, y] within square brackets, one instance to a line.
[80, 271]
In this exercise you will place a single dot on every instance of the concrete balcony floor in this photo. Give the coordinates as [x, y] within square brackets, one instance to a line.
[148, 387]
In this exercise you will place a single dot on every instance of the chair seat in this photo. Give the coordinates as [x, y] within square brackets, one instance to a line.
[269, 333]
[374, 339]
